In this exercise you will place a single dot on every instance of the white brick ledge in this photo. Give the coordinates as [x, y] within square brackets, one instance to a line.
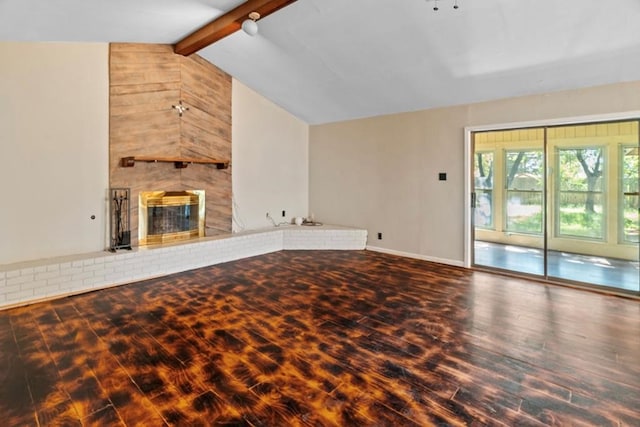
[32, 281]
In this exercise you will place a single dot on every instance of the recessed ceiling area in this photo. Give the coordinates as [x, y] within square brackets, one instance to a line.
[334, 60]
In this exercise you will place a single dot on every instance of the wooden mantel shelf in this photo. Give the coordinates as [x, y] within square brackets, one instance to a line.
[179, 162]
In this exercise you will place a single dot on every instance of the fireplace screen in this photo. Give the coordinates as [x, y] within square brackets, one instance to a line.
[167, 216]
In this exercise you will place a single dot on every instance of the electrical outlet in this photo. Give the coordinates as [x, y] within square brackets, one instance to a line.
[379, 236]
[284, 213]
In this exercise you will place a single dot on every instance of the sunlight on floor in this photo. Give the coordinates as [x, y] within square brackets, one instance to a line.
[609, 272]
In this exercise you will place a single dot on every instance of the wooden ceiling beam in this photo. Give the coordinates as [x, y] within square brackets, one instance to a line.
[226, 24]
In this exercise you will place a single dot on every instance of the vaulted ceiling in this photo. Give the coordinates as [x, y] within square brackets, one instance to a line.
[332, 60]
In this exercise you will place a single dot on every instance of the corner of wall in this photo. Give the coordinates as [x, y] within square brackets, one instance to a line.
[270, 161]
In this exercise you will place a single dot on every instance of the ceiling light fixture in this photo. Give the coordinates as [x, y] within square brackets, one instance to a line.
[250, 26]
[437, 8]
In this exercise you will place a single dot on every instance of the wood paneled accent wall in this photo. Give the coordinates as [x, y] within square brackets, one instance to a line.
[145, 81]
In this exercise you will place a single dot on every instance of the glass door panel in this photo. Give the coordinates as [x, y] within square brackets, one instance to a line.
[509, 189]
[629, 211]
[592, 198]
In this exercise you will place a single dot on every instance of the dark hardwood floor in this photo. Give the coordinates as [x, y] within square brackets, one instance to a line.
[323, 338]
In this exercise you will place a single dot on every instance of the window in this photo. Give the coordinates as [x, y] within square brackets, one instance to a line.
[524, 184]
[629, 196]
[483, 178]
[580, 187]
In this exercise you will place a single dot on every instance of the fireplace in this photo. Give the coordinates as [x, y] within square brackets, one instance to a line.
[168, 216]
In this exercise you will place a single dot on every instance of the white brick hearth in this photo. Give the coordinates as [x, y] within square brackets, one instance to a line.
[27, 282]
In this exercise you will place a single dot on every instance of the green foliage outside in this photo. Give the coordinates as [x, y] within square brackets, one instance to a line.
[579, 192]
[529, 224]
[630, 172]
[574, 221]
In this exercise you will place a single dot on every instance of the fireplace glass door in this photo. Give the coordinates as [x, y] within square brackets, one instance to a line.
[167, 216]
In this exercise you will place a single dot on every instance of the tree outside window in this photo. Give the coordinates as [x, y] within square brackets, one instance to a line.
[483, 183]
[580, 189]
[629, 197]
[524, 185]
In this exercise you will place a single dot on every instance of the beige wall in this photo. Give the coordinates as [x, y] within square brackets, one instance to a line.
[270, 161]
[54, 100]
[382, 173]
[379, 173]
[53, 149]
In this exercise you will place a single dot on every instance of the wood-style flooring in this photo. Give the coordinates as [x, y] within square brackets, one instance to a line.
[321, 338]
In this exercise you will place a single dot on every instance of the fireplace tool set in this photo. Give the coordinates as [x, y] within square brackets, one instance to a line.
[120, 221]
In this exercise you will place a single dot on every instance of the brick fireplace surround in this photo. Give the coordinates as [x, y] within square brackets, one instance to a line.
[28, 282]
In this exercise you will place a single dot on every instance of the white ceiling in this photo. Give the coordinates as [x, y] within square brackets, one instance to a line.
[332, 60]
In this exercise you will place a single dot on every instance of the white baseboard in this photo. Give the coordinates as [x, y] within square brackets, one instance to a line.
[446, 261]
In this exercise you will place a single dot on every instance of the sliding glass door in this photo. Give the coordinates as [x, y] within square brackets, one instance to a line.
[559, 202]
[509, 188]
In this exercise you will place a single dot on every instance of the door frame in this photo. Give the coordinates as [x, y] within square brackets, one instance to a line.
[468, 158]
